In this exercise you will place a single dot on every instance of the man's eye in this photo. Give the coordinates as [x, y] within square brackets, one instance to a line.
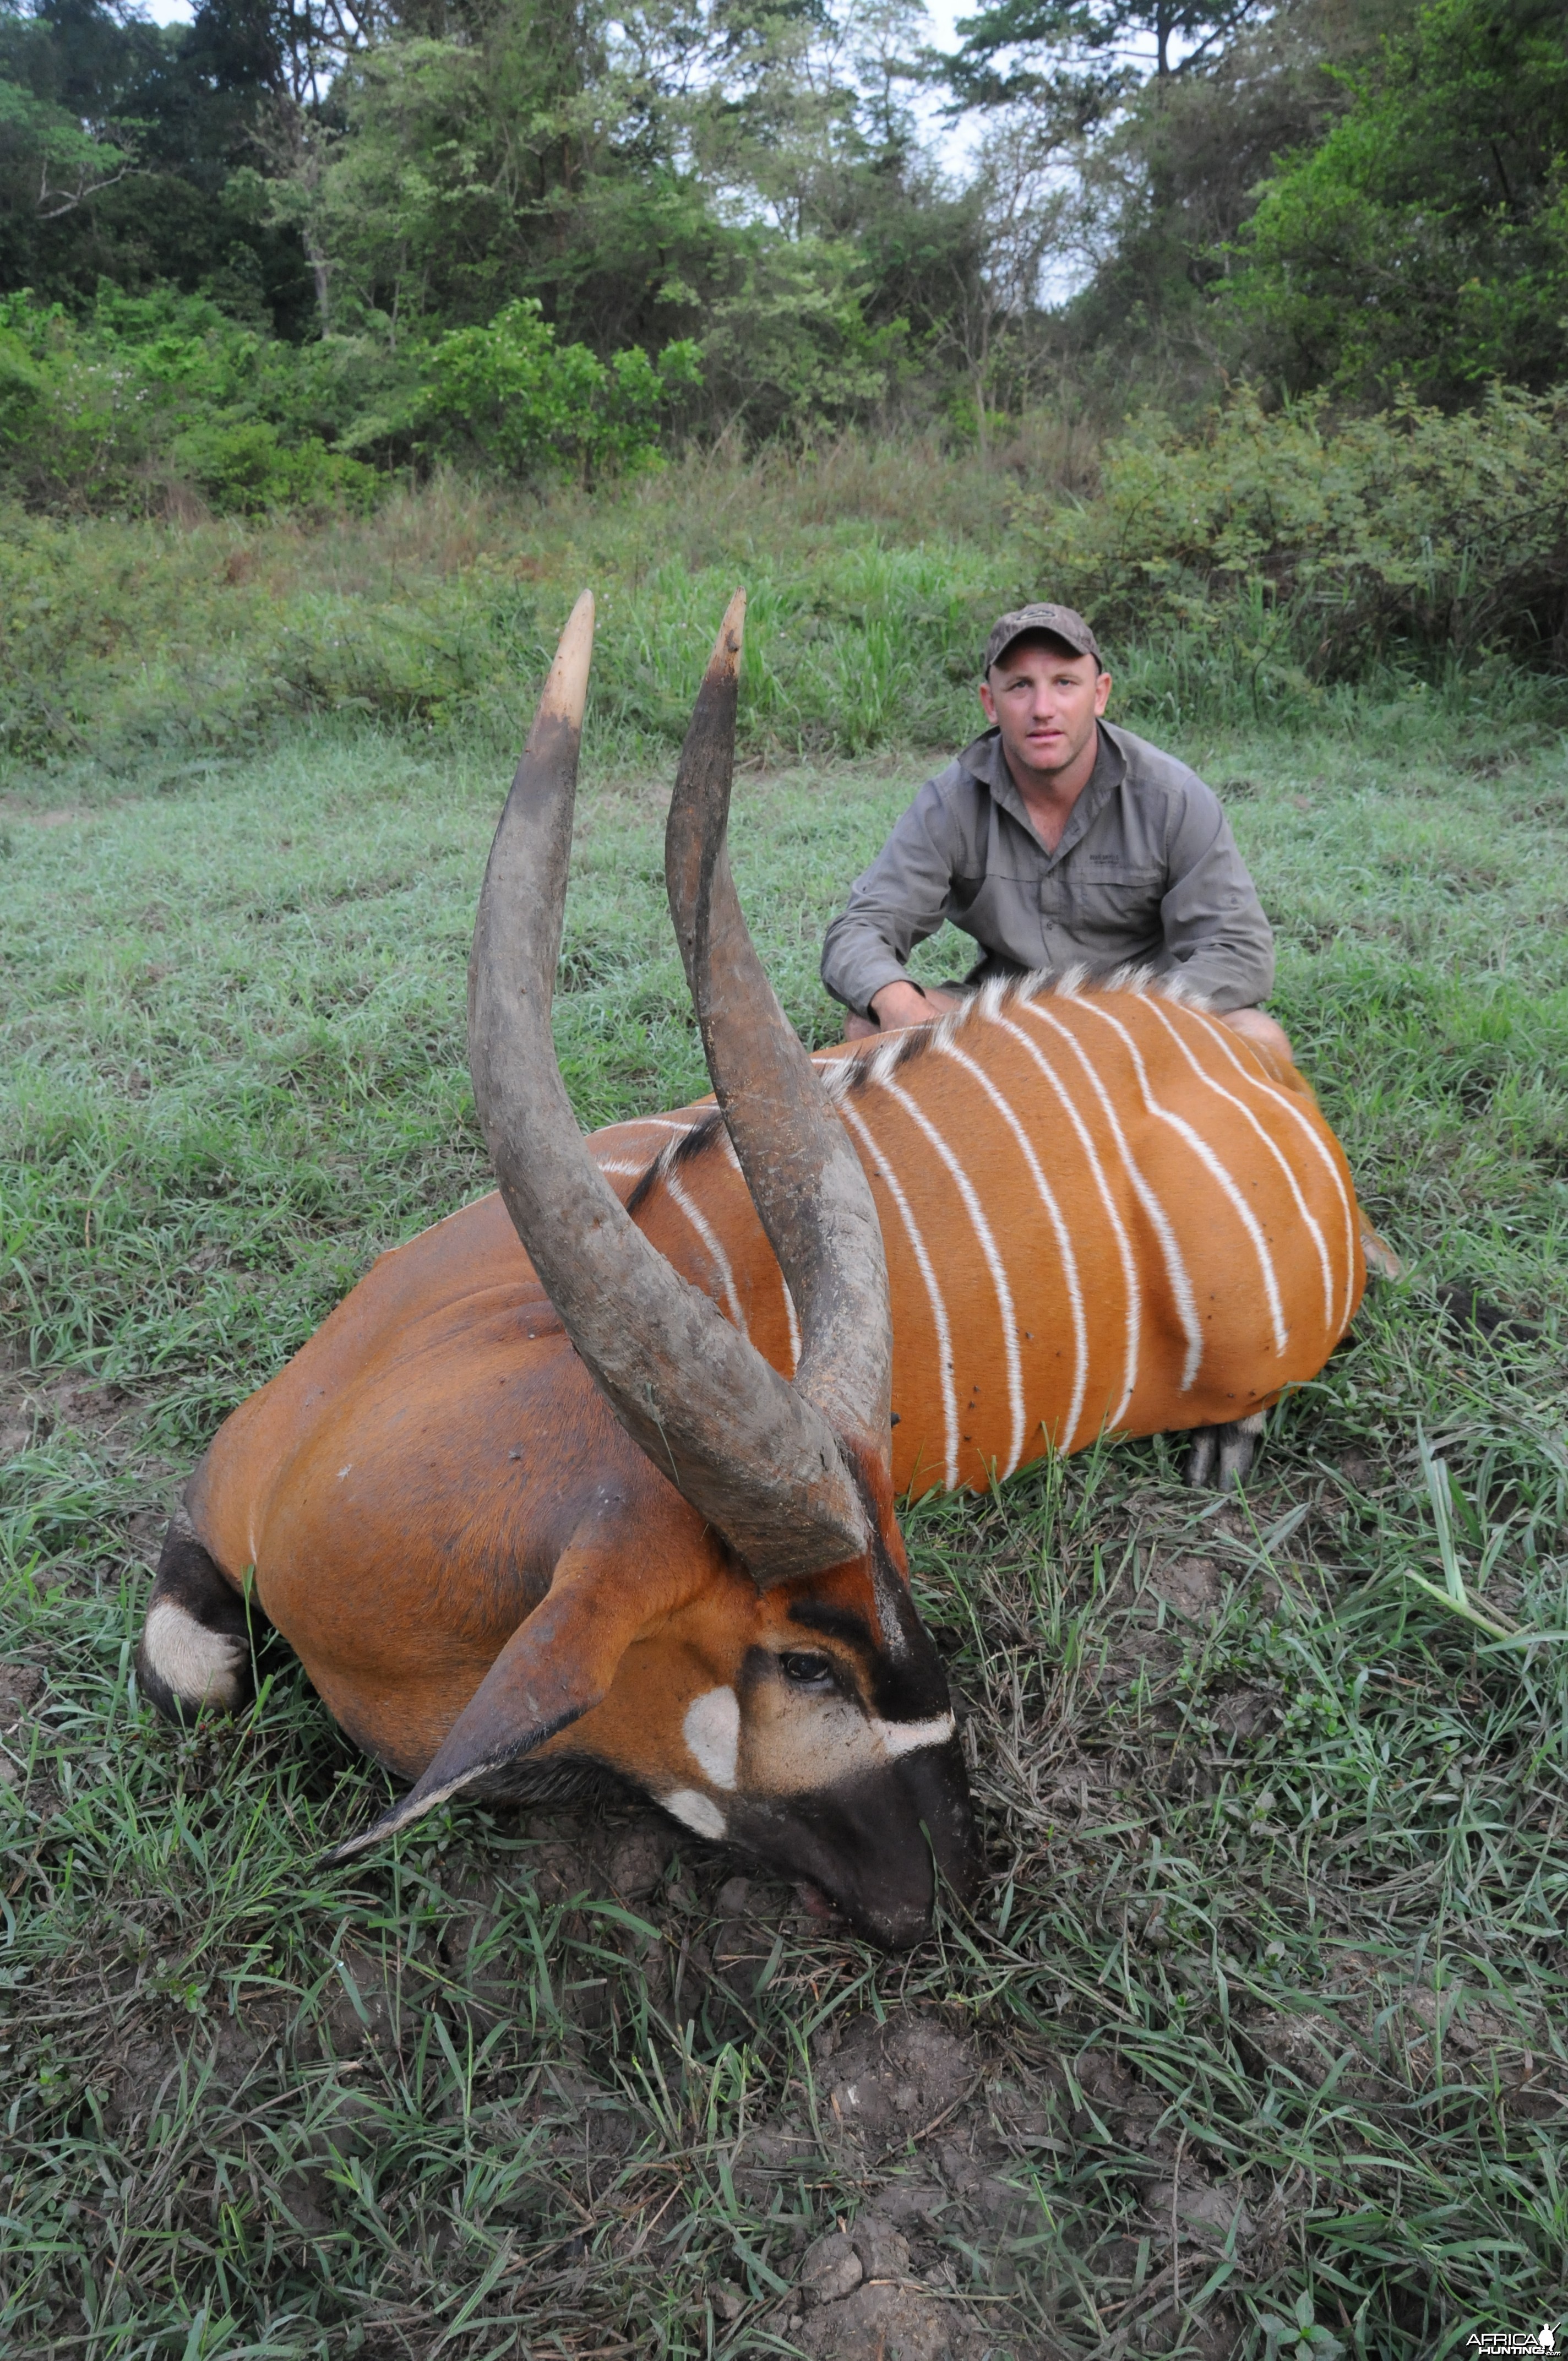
[806, 1672]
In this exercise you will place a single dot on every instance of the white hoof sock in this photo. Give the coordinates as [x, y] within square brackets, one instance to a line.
[198, 1667]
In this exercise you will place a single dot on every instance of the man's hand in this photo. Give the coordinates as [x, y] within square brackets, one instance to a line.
[897, 1004]
[1256, 1025]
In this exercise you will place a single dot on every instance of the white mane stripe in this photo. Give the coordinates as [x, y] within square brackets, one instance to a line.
[619, 1164]
[885, 1173]
[1206, 1156]
[705, 1231]
[1245, 1112]
[993, 1262]
[1226, 1040]
[1175, 1269]
[1063, 1441]
[1108, 1203]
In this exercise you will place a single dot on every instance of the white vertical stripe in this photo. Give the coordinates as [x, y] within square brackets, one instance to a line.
[993, 1262]
[1285, 1099]
[1064, 1441]
[705, 1231]
[884, 1172]
[1247, 1116]
[1175, 1269]
[1206, 1157]
[624, 1134]
[1111, 1212]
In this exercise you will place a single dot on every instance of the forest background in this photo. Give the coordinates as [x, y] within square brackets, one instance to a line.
[1244, 324]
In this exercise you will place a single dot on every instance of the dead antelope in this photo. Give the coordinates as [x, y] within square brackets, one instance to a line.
[622, 1493]
[586, 1517]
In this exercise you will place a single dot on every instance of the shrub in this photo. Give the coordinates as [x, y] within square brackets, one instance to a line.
[97, 415]
[243, 468]
[530, 406]
[1426, 237]
[1327, 545]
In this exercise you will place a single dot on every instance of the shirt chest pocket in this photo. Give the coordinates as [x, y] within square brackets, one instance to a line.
[1116, 903]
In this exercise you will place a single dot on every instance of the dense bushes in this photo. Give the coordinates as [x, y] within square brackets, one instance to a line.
[1327, 544]
[149, 396]
[530, 406]
[1256, 565]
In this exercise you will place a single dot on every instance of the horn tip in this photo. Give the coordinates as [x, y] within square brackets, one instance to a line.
[565, 689]
[731, 631]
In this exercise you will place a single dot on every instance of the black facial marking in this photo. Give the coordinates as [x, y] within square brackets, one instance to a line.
[834, 1622]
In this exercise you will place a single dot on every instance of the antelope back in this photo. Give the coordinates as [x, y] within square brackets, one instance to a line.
[1103, 1211]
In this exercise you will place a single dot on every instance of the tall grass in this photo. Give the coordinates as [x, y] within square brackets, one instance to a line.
[874, 571]
[1260, 2018]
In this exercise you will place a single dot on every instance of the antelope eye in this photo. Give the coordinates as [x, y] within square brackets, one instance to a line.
[804, 1671]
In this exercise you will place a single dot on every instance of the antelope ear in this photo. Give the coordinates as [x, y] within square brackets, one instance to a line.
[556, 1666]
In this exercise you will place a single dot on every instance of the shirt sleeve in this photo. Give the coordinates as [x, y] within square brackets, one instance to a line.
[1216, 936]
[896, 902]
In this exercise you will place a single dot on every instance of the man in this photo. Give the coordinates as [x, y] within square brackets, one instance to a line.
[1056, 840]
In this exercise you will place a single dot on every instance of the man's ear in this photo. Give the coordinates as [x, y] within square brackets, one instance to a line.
[556, 1666]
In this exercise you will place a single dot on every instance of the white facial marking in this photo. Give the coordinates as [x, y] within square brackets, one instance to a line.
[199, 1667]
[698, 1812]
[909, 1737]
[712, 1732]
[815, 1742]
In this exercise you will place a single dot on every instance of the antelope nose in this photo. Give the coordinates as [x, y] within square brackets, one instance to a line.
[937, 1785]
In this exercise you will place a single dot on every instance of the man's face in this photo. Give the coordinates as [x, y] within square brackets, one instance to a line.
[1045, 703]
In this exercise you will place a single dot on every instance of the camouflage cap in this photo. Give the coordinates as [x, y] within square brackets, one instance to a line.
[1063, 623]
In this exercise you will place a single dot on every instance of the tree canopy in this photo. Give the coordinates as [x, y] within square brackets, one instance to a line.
[740, 209]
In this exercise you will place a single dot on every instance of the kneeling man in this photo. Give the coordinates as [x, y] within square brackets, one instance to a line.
[1057, 840]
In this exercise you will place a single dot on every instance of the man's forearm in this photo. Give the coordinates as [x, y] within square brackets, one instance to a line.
[896, 902]
[1227, 974]
[857, 963]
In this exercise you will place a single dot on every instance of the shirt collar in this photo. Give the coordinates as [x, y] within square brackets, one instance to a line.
[984, 759]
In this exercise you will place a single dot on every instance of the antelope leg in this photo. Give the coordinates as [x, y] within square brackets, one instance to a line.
[556, 1666]
[194, 1653]
[1221, 1457]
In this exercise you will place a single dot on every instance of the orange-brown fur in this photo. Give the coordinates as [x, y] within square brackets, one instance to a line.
[407, 1488]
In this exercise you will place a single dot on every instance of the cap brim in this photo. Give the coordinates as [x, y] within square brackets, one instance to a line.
[1044, 631]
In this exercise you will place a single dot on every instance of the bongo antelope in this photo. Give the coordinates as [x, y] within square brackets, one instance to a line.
[603, 1468]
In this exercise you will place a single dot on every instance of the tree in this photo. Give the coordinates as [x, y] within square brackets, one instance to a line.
[1102, 45]
[1426, 238]
[118, 141]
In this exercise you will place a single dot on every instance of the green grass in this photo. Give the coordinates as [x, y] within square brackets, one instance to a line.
[1279, 1888]
[874, 570]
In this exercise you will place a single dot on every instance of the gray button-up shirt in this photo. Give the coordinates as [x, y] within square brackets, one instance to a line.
[1147, 870]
